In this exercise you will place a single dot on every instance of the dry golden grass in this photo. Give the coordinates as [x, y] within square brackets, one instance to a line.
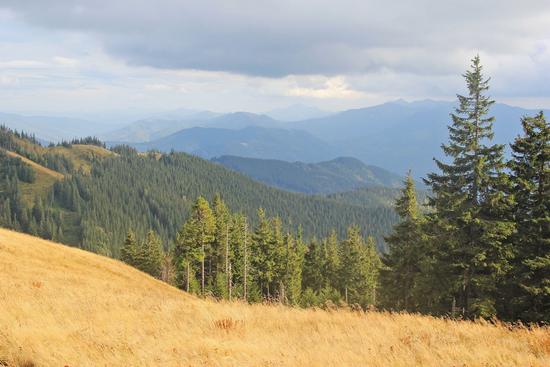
[60, 306]
[45, 179]
[38, 168]
[81, 155]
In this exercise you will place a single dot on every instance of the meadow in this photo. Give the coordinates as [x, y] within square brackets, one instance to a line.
[61, 306]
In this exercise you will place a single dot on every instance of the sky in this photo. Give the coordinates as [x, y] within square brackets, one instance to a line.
[103, 56]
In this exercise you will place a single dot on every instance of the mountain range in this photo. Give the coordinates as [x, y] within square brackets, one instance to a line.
[397, 135]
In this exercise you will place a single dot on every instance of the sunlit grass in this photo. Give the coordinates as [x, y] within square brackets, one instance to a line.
[60, 306]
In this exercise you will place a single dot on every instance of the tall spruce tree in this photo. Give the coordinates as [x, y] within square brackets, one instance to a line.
[403, 263]
[530, 175]
[470, 204]
[331, 260]
[194, 240]
[359, 269]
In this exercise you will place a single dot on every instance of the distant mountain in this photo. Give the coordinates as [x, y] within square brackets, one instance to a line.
[252, 141]
[240, 120]
[163, 125]
[340, 174]
[400, 135]
[159, 126]
[53, 128]
[297, 112]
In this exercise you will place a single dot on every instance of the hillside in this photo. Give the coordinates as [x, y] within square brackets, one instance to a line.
[105, 194]
[66, 307]
[337, 175]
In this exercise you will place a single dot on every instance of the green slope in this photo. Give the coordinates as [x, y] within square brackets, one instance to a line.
[337, 175]
[96, 203]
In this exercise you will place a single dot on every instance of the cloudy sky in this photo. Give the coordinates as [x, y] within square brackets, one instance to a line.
[102, 55]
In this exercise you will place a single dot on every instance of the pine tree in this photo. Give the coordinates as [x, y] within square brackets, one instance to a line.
[294, 262]
[262, 264]
[313, 273]
[530, 177]
[359, 269]
[129, 250]
[217, 257]
[192, 242]
[470, 204]
[403, 264]
[152, 255]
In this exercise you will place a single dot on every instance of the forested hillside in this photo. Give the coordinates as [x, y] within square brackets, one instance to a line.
[338, 175]
[104, 194]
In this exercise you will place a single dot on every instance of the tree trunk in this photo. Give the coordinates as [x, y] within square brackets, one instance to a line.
[202, 267]
[188, 275]
[227, 260]
[245, 264]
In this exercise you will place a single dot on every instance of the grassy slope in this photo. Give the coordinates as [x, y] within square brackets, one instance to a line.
[80, 155]
[62, 306]
[45, 179]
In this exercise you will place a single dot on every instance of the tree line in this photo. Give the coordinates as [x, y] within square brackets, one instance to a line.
[483, 247]
[217, 253]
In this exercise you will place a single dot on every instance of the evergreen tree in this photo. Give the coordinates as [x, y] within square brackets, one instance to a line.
[294, 262]
[262, 264]
[313, 273]
[530, 175]
[128, 252]
[359, 269]
[194, 240]
[217, 257]
[152, 255]
[470, 204]
[403, 264]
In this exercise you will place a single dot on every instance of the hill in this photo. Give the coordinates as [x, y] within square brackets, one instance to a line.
[337, 175]
[103, 194]
[66, 307]
[251, 141]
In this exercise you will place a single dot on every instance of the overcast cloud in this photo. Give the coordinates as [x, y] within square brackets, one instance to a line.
[333, 53]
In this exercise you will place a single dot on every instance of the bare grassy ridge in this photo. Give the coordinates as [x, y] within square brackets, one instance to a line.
[60, 306]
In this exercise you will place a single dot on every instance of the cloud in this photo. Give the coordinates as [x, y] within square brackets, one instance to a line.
[285, 37]
[21, 64]
[65, 61]
[333, 88]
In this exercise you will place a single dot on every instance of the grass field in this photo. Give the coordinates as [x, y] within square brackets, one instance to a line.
[61, 306]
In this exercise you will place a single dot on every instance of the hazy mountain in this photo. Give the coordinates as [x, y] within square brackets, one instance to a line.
[240, 120]
[399, 135]
[252, 141]
[159, 126]
[53, 128]
[297, 112]
[340, 174]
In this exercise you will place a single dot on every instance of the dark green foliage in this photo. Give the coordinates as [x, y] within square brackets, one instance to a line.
[471, 222]
[129, 251]
[359, 269]
[13, 167]
[280, 266]
[530, 178]
[146, 256]
[337, 175]
[404, 265]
